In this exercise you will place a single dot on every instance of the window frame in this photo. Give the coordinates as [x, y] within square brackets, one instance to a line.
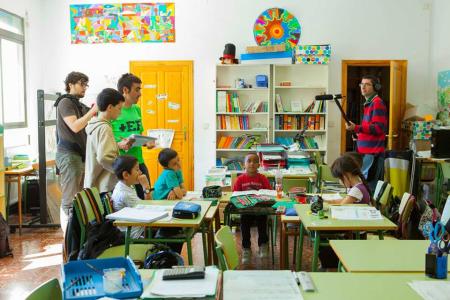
[19, 39]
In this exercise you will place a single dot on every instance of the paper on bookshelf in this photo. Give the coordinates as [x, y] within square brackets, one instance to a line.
[348, 212]
[296, 106]
[145, 214]
[163, 137]
[271, 193]
[279, 103]
[431, 289]
[245, 285]
[159, 288]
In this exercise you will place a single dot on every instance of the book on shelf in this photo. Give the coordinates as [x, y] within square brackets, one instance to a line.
[233, 122]
[279, 103]
[308, 142]
[256, 106]
[227, 102]
[245, 141]
[298, 122]
[221, 101]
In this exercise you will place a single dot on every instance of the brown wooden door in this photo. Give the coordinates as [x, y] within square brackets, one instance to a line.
[397, 104]
[167, 103]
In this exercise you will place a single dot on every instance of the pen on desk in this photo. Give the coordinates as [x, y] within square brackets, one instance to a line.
[296, 277]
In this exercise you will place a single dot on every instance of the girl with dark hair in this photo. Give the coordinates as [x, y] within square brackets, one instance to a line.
[347, 169]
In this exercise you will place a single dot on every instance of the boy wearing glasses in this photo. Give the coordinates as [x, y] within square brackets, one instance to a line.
[371, 133]
[72, 118]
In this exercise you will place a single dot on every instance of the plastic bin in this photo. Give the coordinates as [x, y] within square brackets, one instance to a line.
[83, 279]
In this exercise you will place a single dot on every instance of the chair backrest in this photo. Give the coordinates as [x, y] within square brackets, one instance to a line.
[325, 173]
[48, 290]
[88, 209]
[107, 203]
[382, 195]
[289, 183]
[226, 249]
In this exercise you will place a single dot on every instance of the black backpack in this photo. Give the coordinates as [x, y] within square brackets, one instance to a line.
[100, 237]
[5, 250]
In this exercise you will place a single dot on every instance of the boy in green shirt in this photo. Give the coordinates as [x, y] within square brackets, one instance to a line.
[130, 122]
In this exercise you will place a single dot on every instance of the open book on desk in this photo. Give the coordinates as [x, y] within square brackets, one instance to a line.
[140, 213]
[271, 193]
[183, 288]
[350, 212]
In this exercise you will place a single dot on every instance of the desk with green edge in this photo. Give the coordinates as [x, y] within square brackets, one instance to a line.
[313, 224]
[382, 256]
[349, 286]
[189, 226]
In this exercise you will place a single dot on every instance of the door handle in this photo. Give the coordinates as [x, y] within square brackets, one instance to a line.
[393, 136]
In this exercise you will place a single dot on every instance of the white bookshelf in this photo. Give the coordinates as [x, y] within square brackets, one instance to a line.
[307, 81]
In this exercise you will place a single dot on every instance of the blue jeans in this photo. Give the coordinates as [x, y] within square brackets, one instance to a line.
[367, 163]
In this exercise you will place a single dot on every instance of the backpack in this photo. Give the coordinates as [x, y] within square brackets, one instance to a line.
[162, 257]
[5, 250]
[409, 219]
[213, 191]
[101, 236]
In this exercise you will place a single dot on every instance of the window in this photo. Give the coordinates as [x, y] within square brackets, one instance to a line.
[12, 71]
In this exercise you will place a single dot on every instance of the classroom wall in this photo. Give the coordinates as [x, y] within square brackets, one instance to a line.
[31, 12]
[356, 29]
[439, 45]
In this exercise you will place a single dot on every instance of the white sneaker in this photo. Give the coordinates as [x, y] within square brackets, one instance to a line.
[246, 255]
[263, 250]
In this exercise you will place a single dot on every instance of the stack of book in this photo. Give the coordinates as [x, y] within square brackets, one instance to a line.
[308, 142]
[258, 106]
[316, 106]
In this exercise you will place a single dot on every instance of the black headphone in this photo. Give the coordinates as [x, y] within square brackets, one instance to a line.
[376, 84]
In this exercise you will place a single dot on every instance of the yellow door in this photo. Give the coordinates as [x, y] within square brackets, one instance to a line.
[167, 103]
[397, 103]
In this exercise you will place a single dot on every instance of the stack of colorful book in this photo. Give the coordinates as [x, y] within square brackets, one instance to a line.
[233, 122]
[245, 141]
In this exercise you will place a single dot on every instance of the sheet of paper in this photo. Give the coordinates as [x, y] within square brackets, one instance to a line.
[331, 197]
[261, 285]
[159, 288]
[355, 213]
[141, 140]
[192, 195]
[431, 289]
[134, 214]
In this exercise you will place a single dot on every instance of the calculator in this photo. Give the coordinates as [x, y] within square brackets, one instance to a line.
[189, 272]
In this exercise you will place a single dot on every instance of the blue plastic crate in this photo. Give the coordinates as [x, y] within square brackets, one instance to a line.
[80, 281]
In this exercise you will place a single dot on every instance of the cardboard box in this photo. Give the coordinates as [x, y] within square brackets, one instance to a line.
[260, 49]
[312, 54]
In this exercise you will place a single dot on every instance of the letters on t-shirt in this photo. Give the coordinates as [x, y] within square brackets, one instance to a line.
[131, 126]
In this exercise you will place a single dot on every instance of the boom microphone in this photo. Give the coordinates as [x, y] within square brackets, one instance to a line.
[328, 97]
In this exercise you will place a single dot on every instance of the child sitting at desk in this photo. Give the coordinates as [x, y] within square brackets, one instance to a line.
[126, 168]
[170, 186]
[347, 169]
[252, 180]
[170, 183]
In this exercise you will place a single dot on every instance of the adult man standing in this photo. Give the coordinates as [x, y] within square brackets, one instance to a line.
[72, 118]
[130, 122]
[372, 131]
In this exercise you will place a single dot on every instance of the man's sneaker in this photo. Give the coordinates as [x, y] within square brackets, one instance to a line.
[246, 255]
[263, 250]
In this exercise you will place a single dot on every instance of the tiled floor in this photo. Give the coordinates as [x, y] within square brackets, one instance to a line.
[37, 258]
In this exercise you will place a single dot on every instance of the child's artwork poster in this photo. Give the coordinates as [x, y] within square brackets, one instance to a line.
[122, 23]
[444, 96]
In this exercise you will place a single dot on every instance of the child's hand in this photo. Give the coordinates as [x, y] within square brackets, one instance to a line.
[143, 180]
[150, 145]
[172, 196]
[184, 192]
[125, 144]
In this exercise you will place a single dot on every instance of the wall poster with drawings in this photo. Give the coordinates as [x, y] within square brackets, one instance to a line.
[164, 137]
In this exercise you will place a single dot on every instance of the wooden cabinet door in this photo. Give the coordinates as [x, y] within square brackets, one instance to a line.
[397, 103]
[167, 103]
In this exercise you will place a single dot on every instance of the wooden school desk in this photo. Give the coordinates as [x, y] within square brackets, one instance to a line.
[314, 225]
[189, 226]
[382, 255]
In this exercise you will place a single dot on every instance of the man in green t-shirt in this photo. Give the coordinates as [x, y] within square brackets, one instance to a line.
[130, 122]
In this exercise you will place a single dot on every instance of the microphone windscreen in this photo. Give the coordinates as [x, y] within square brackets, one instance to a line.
[324, 97]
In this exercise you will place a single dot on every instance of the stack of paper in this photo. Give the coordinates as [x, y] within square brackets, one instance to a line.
[182, 288]
[331, 197]
[260, 285]
[143, 213]
[192, 195]
[348, 212]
